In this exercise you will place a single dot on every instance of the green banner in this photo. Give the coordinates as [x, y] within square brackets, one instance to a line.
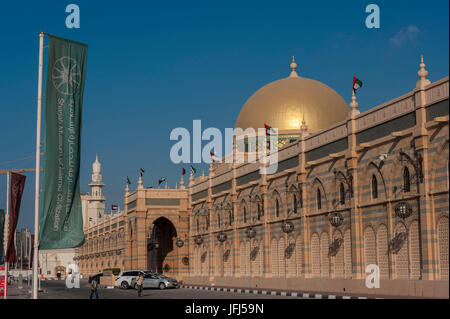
[61, 223]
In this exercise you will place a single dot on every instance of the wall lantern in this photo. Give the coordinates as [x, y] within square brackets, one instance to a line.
[287, 227]
[198, 240]
[179, 243]
[222, 237]
[185, 261]
[336, 219]
[251, 233]
[403, 210]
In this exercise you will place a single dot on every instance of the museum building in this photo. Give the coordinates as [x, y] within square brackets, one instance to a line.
[351, 190]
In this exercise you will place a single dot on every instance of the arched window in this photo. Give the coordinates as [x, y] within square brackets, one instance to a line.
[374, 187]
[218, 219]
[277, 208]
[406, 180]
[295, 203]
[342, 194]
[198, 225]
[259, 211]
[230, 217]
[319, 199]
[245, 215]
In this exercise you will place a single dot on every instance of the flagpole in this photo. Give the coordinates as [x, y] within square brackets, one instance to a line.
[8, 179]
[38, 166]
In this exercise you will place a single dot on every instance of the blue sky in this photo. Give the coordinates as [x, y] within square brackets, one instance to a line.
[154, 66]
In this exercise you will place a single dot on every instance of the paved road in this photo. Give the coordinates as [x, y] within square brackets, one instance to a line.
[56, 289]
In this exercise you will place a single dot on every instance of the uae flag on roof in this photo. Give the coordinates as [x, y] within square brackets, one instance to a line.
[161, 180]
[214, 158]
[269, 130]
[356, 84]
[193, 170]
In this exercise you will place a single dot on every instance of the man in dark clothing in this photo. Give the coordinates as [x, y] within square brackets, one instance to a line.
[94, 286]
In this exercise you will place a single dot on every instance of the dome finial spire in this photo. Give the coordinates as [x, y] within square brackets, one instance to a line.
[293, 68]
[423, 73]
[304, 127]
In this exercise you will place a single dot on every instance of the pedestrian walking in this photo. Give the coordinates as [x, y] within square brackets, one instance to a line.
[139, 283]
[94, 287]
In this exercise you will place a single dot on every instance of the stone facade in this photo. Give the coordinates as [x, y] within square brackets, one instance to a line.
[372, 189]
[104, 246]
[366, 172]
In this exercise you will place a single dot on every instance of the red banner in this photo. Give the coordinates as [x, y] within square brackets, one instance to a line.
[3, 281]
[17, 186]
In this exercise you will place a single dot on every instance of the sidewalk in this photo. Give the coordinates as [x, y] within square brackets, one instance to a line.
[14, 292]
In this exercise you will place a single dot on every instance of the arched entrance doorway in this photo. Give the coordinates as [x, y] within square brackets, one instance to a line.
[60, 272]
[160, 246]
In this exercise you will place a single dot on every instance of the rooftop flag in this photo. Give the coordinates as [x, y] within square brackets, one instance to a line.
[128, 181]
[269, 130]
[141, 172]
[214, 158]
[161, 180]
[61, 222]
[356, 84]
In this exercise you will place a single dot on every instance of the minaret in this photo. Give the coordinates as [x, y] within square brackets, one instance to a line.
[96, 204]
[353, 106]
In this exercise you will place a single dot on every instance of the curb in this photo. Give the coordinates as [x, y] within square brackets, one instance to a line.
[275, 293]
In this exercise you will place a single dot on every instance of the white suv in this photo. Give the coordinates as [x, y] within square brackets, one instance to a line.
[124, 279]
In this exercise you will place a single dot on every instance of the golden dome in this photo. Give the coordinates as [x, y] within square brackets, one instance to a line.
[284, 104]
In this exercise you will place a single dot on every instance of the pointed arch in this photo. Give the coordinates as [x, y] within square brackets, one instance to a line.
[243, 212]
[367, 177]
[406, 180]
[370, 249]
[292, 261]
[382, 251]
[324, 258]
[315, 255]
[276, 205]
[401, 258]
[414, 250]
[299, 255]
[274, 257]
[319, 195]
[281, 259]
[338, 265]
[348, 253]
[443, 248]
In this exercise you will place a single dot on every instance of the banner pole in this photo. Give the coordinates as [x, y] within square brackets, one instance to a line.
[38, 166]
[7, 230]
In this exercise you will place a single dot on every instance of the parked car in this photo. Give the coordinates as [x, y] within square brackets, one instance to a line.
[124, 279]
[152, 280]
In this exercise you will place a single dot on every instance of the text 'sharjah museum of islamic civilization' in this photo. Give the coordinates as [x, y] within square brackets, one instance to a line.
[351, 189]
